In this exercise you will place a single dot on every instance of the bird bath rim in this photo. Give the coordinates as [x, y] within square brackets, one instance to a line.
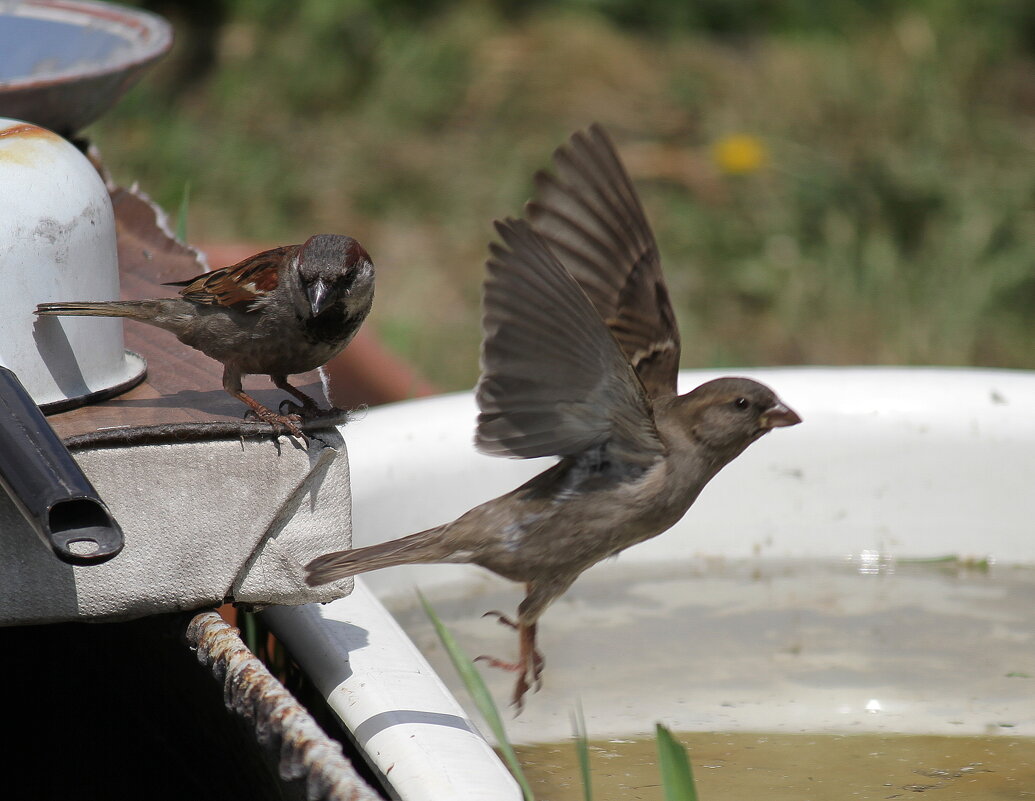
[880, 449]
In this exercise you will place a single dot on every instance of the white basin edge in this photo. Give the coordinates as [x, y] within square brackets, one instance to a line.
[908, 462]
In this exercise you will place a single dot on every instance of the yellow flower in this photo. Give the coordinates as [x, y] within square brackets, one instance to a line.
[740, 154]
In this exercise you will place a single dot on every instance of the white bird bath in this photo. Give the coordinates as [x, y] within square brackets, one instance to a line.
[790, 598]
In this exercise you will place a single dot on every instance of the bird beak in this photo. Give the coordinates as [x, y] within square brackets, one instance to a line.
[779, 415]
[317, 294]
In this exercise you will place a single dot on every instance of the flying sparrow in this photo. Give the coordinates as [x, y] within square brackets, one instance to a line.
[579, 361]
[283, 311]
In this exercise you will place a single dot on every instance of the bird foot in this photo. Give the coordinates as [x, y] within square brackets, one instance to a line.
[530, 676]
[290, 408]
[529, 666]
[492, 661]
[537, 670]
[278, 421]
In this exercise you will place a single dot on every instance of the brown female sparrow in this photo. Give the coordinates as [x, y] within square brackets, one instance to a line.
[283, 311]
[579, 361]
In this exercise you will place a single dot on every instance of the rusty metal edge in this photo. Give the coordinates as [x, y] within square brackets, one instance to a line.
[282, 726]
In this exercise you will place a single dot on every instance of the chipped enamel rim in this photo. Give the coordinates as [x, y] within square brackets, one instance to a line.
[146, 36]
[65, 90]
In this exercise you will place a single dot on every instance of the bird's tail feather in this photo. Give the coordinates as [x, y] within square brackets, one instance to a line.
[414, 549]
[134, 309]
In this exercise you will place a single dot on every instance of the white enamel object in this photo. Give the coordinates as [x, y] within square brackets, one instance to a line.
[57, 243]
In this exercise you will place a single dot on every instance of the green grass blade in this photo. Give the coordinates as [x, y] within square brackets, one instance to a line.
[578, 722]
[677, 778]
[181, 214]
[480, 694]
[249, 631]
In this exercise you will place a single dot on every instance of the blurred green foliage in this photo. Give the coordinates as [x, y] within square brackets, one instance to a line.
[891, 220]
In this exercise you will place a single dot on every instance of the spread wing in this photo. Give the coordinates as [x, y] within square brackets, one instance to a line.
[240, 283]
[592, 218]
[554, 380]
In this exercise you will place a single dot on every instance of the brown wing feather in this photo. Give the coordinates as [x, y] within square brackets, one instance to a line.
[239, 283]
[593, 220]
[554, 381]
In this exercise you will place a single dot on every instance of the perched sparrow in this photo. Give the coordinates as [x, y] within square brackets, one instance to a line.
[579, 361]
[283, 311]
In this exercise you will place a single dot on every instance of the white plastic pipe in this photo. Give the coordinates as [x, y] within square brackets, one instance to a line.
[387, 695]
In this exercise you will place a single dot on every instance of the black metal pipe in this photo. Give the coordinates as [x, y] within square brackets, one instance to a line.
[47, 485]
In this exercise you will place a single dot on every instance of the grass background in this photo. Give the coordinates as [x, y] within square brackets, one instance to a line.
[882, 211]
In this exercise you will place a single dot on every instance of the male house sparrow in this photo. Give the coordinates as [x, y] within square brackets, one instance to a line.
[579, 361]
[283, 311]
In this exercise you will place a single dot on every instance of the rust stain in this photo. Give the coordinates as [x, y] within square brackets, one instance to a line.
[27, 129]
[23, 136]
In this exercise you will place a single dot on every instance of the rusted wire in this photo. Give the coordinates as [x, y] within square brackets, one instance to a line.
[282, 725]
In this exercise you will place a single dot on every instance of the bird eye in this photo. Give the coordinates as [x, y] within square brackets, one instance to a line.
[742, 403]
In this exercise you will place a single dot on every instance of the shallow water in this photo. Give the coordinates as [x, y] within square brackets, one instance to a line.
[780, 767]
[861, 646]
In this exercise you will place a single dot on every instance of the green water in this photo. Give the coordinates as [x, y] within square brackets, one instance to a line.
[745, 767]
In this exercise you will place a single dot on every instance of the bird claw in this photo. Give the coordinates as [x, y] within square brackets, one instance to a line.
[492, 661]
[530, 676]
[537, 670]
[517, 700]
[529, 666]
[292, 408]
[523, 685]
[502, 619]
[278, 421]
